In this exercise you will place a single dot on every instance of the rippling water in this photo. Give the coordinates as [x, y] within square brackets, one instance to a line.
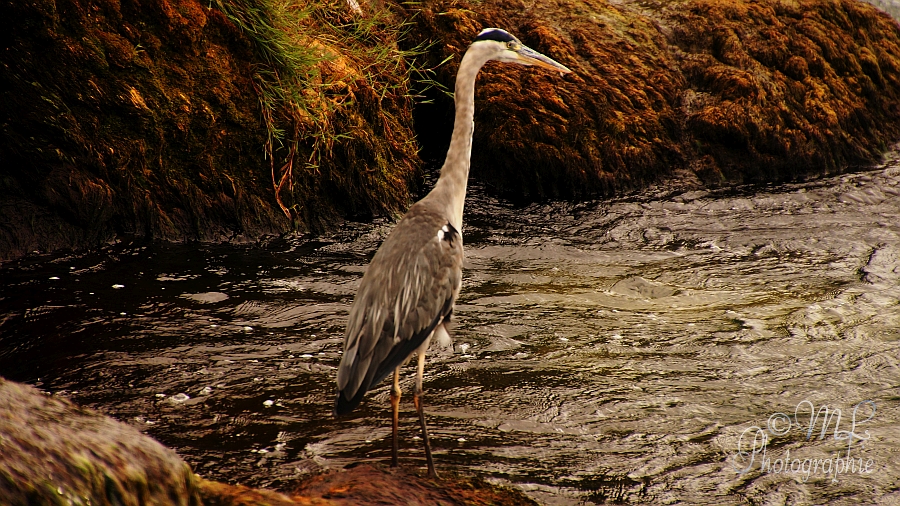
[603, 351]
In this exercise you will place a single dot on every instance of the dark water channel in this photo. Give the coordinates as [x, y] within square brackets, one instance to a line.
[603, 351]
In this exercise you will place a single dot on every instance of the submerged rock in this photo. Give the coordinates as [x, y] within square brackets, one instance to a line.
[709, 92]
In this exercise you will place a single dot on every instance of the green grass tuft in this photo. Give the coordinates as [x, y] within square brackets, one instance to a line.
[322, 67]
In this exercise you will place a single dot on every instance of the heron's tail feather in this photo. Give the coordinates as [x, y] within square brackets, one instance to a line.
[342, 405]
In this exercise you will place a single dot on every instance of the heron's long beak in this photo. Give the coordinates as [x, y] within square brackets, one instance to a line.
[529, 56]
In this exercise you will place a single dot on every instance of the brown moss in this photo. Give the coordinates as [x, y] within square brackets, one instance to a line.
[126, 118]
[789, 88]
[93, 95]
[732, 91]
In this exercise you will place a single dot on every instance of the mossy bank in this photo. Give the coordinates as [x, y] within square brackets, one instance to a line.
[189, 120]
[233, 120]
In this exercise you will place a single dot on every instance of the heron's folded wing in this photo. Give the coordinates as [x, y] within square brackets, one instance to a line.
[408, 289]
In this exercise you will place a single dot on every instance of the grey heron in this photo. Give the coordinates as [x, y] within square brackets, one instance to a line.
[407, 293]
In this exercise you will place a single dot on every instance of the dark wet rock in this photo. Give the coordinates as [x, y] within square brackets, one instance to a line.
[707, 92]
[53, 452]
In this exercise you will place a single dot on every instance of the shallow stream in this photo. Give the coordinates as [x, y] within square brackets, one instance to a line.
[610, 350]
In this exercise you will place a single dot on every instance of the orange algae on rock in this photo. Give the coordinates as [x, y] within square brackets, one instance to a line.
[375, 484]
[369, 484]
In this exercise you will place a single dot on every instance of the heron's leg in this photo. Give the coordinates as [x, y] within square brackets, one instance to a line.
[417, 399]
[395, 408]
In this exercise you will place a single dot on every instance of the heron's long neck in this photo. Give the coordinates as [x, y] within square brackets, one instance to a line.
[450, 189]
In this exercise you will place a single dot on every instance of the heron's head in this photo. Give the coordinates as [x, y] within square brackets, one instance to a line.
[499, 45]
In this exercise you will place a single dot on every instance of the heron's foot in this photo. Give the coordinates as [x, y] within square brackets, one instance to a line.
[417, 400]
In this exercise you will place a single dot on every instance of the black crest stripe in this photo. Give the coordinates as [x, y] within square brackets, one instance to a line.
[498, 35]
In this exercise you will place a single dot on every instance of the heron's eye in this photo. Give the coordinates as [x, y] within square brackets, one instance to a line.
[512, 46]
